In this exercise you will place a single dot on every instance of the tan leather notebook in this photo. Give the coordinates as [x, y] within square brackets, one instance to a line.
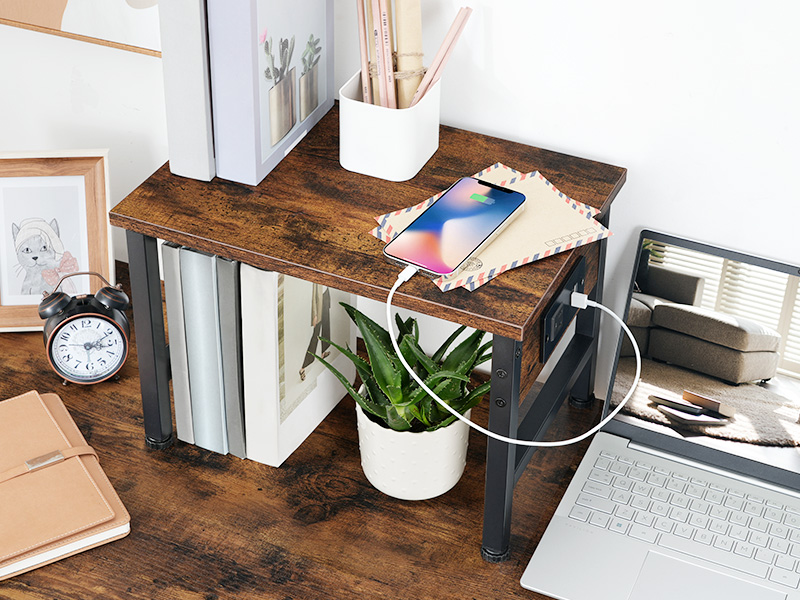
[55, 499]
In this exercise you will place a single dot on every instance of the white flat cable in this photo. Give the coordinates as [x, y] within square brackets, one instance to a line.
[579, 301]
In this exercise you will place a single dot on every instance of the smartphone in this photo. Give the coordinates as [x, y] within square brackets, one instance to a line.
[462, 221]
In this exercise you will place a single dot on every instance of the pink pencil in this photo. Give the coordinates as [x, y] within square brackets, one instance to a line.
[386, 39]
[377, 39]
[434, 72]
[366, 86]
[465, 12]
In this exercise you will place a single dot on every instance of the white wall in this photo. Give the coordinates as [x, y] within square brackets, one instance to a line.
[59, 93]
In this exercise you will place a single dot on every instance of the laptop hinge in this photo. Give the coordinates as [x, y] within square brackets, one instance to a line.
[716, 471]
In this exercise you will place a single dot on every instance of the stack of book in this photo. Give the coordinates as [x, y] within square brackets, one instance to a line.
[241, 343]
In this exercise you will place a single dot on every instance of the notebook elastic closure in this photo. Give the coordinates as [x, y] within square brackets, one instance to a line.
[45, 460]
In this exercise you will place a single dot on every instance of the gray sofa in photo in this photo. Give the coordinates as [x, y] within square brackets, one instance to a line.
[670, 326]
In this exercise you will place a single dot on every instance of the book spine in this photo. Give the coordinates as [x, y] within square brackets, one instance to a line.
[230, 322]
[179, 365]
[233, 93]
[260, 362]
[187, 88]
[201, 321]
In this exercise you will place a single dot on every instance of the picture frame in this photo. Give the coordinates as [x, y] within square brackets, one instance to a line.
[272, 80]
[131, 25]
[53, 221]
[288, 392]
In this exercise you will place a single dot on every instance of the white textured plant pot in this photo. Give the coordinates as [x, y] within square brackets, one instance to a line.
[412, 466]
[388, 143]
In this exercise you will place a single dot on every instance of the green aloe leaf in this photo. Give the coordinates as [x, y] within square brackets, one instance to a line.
[446, 384]
[464, 404]
[428, 407]
[464, 355]
[406, 327]
[479, 392]
[406, 349]
[366, 403]
[386, 367]
[419, 355]
[439, 354]
[397, 421]
[362, 366]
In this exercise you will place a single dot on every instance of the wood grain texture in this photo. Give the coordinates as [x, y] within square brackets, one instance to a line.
[310, 218]
[206, 526]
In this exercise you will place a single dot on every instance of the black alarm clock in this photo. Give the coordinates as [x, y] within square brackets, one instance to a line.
[86, 336]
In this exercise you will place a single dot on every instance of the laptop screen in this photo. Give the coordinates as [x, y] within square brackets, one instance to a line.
[725, 326]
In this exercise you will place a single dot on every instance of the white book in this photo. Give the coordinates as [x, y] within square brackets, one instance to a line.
[230, 322]
[258, 120]
[204, 350]
[179, 365]
[287, 392]
[187, 88]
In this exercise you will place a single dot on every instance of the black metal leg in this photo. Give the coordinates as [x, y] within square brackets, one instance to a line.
[501, 457]
[151, 343]
[587, 324]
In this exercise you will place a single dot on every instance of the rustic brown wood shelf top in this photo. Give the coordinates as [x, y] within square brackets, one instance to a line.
[310, 218]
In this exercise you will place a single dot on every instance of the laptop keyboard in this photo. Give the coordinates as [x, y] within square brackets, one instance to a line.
[719, 520]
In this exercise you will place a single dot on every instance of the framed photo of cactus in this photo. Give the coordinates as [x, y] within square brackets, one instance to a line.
[53, 222]
[271, 80]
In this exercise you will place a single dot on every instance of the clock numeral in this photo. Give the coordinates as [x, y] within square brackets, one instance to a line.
[86, 348]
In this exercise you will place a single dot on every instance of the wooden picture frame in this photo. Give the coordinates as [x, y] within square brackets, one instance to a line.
[126, 25]
[53, 221]
[262, 106]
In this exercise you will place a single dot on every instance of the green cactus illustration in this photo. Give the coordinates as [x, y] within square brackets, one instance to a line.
[285, 51]
[311, 54]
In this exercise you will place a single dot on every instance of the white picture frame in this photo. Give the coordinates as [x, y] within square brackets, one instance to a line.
[53, 222]
[261, 106]
[287, 392]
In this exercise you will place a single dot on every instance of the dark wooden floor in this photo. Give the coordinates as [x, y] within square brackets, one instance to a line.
[206, 526]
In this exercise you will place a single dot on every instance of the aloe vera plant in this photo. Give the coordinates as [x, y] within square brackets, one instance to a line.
[392, 395]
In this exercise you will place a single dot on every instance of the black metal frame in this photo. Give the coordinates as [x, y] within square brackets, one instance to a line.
[573, 376]
[151, 339]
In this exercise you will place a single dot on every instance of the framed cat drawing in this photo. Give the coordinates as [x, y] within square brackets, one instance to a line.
[53, 222]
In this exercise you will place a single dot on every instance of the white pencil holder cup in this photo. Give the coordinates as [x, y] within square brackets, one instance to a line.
[388, 143]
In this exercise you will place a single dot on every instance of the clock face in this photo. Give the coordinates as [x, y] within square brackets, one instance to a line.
[87, 348]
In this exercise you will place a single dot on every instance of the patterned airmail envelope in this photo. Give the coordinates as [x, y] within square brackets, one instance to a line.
[551, 223]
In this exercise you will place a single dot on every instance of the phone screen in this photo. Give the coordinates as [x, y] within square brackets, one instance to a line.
[454, 226]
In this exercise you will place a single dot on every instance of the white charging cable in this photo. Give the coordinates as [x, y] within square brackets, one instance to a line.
[577, 300]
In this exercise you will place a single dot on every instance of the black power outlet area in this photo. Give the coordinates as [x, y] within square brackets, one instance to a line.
[561, 312]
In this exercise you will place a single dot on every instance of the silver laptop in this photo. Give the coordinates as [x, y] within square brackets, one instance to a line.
[664, 508]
